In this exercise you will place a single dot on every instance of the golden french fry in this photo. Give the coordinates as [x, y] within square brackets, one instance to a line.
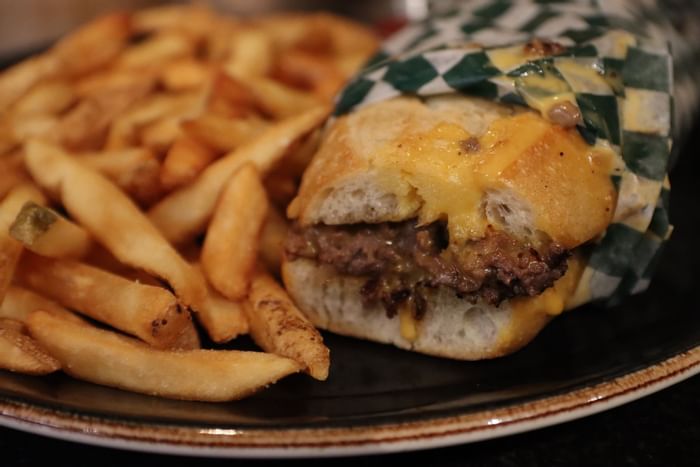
[20, 302]
[11, 249]
[148, 312]
[223, 319]
[251, 54]
[93, 45]
[184, 213]
[185, 75]
[13, 172]
[185, 160]
[34, 126]
[157, 50]
[278, 99]
[106, 358]
[22, 354]
[161, 134]
[134, 170]
[272, 239]
[310, 71]
[48, 98]
[85, 126]
[193, 18]
[123, 133]
[221, 133]
[229, 97]
[278, 326]
[20, 78]
[231, 245]
[47, 233]
[107, 81]
[122, 228]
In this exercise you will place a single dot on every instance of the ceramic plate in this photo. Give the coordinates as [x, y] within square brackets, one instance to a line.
[381, 399]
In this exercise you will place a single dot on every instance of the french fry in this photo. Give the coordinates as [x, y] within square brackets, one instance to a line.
[310, 71]
[157, 50]
[20, 302]
[185, 74]
[11, 249]
[48, 98]
[251, 54]
[123, 229]
[194, 19]
[34, 126]
[123, 132]
[205, 375]
[278, 326]
[47, 233]
[20, 78]
[185, 160]
[148, 312]
[13, 172]
[86, 125]
[221, 133]
[272, 240]
[161, 134]
[223, 319]
[231, 245]
[278, 99]
[93, 45]
[229, 97]
[20, 353]
[134, 170]
[184, 213]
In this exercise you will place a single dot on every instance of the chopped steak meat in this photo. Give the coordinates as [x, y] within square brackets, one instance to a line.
[402, 260]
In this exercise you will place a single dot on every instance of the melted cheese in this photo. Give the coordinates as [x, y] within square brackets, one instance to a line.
[451, 179]
[408, 325]
[529, 312]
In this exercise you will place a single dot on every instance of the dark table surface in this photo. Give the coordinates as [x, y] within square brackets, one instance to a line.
[661, 429]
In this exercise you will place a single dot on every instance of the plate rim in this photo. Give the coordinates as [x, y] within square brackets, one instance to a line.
[380, 438]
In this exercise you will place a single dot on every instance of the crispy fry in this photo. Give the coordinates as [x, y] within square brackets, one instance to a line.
[205, 375]
[48, 98]
[223, 134]
[21, 353]
[47, 233]
[229, 97]
[160, 135]
[272, 240]
[280, 100]
[93, 45]
[157, 50]
[185, 75]
[223, 319]
[310, 71]
[20, 302]
[231, 244]
[13, 172]
[251, 54]
[279, 327]
[86, 125]
[184, 213]
[123, 229]
[134, 170]
[185, 160]
[148, 312]
[20, 78]
[11, 249]
[123, 132]
[194, 19]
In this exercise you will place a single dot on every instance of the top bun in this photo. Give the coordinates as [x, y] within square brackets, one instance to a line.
[466, 160]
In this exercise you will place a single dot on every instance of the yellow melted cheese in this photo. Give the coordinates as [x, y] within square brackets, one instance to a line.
[527, 312]
[451, 180]
[408, 325]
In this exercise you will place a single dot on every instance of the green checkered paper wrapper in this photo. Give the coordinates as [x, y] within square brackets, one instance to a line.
[613, 61]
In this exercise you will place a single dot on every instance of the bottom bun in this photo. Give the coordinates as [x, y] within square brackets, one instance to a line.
[452, 327]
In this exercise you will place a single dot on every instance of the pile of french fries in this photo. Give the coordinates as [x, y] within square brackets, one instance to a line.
[145, 163]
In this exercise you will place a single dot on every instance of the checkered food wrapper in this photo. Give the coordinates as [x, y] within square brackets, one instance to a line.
[623, 64]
